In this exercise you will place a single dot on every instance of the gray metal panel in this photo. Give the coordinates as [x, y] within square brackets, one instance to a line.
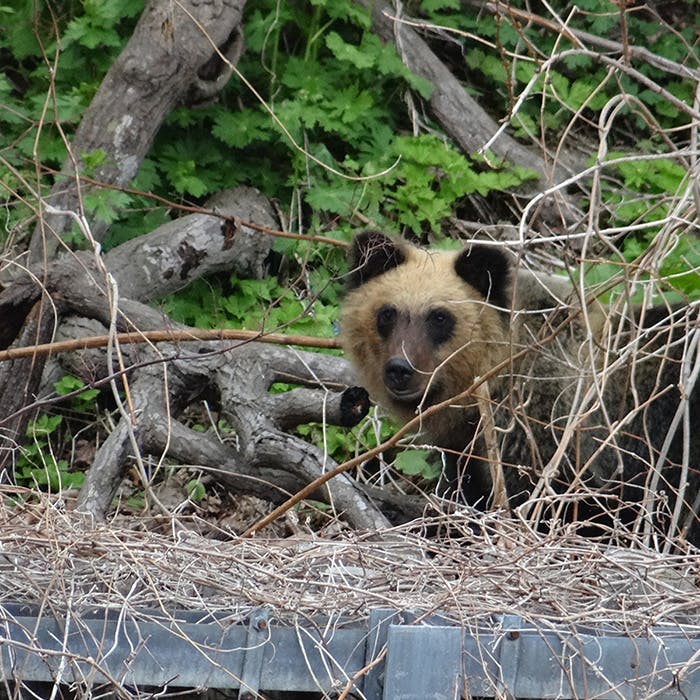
[140, 653]
[379, 622]
[378, 652]
[576, 664]
[307, 659]
[512, 659]
[127, 652]
[423, 663]
[253, 660]
[395, 655]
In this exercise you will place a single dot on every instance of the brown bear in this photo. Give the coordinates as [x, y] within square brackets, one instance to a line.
[597, 402]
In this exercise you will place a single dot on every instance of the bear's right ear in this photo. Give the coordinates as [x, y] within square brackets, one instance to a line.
[372, 254]
[487, 270]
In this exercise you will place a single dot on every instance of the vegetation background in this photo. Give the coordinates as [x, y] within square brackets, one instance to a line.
[323, 116]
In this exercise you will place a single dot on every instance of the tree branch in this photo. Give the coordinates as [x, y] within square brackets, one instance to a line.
[461, 116]
[151, 76]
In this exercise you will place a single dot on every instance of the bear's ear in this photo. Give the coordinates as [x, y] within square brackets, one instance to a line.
[487, 270]
[372, 254]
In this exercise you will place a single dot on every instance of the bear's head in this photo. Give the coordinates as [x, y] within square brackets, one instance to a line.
[420, 325]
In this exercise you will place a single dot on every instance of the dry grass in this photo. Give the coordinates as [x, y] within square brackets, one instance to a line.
[55, 559]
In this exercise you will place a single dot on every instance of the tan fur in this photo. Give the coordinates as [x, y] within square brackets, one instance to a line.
[480, 339]
[563, 406]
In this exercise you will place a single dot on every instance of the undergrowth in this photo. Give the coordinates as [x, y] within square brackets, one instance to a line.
[350, 105]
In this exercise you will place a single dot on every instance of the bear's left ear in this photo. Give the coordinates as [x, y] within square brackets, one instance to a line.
[487, 270]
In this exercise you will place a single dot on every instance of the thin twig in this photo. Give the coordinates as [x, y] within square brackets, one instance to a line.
[169, 336]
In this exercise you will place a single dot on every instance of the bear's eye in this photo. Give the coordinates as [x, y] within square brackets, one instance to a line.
[386, 320]
[440, 325]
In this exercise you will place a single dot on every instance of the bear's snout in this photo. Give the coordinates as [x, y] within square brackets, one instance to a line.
[402, 380]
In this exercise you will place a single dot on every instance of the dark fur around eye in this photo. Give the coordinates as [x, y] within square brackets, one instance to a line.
[386, 320]
[440, 325]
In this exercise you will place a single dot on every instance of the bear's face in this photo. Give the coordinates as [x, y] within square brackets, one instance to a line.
[417, 325]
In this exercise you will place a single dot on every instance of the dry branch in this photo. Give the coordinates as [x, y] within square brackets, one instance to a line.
[563, 579]
[154, 72]
[166, 336]
[580, 38]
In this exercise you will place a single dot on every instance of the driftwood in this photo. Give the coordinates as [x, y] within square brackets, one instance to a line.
[263, 460]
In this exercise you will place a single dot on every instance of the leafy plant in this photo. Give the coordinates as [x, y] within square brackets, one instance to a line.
[418, 463]
[83, 400]
[86, 36]
[677, 278]
[196, 490]
[517, 50]
[649, 189]
[36, 464]
[252, 304]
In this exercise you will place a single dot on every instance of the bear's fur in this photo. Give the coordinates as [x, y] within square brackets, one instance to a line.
[421, 326]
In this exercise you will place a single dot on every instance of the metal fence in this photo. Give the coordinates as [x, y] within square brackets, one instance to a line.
[387, 655]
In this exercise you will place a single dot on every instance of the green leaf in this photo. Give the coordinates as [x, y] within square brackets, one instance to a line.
[239, 129]
[416, 463]
[43, 426]
[92, 160]
[488, 64]
[347, 52]
[196, 490]
[436, 5]
[106, 205]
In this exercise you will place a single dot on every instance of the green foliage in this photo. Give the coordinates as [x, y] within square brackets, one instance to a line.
[36, 90]
[418, 463]
[36, 464]
[105, 205]
[654, 175]
[577, 81]
[677, 278]
[99, 25]
[253, 305]
[341, 444]
[336, 89]
[82, 399]
[427, 180]
[196, 490]
[338, 443]
[431, 177]
[646, 197]
[333, 86]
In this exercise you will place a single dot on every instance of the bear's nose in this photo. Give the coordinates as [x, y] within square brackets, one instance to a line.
[397, 373]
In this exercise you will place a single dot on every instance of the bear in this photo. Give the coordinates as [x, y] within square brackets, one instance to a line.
[591, 411]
